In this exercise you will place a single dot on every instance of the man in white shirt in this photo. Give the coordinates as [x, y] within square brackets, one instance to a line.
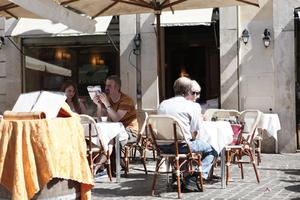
[189, 113]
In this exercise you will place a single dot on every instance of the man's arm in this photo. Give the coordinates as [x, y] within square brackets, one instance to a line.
[116, 116]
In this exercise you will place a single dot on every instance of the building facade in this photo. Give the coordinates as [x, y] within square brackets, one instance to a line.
[240, 76]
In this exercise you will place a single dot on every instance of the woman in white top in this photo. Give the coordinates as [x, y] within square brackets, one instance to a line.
[70, 89]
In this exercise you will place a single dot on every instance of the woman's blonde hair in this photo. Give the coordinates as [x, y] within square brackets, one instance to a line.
[195, 87]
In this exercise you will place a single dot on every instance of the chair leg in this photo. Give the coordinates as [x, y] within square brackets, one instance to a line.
[242, 170]
[153, 152]
[143, 161]
[154, 177]
[177, 170]
[200, 173]
[134, 152]
[227, 166]
[145, 150]
[258, 151]
[254, 166]
[126, 160]
[109, 166]
[91, 163]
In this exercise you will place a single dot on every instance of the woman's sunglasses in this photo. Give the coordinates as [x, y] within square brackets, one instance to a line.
[197, 93]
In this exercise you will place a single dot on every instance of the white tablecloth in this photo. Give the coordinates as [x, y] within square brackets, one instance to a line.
[108, 131]
[270, 123]
[218, 134]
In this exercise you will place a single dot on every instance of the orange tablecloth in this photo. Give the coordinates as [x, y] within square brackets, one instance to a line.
[32, 152]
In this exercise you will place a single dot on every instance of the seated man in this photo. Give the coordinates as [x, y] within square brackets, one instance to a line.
[118, 107]
[189, 113]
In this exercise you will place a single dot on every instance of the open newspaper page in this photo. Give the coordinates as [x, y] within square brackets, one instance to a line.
[93, 90]
[44, 101]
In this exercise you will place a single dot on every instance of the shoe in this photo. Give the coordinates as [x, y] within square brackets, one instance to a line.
[210, 181]
[191, 183]
[100, 174]
[215, 177]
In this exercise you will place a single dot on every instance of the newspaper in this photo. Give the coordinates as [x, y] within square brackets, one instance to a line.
[43, 101]
[93, 90]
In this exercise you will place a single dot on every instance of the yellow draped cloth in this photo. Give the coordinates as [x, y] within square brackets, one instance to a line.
[32, 152]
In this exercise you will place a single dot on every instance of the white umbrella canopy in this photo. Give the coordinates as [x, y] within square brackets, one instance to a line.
[96, 8]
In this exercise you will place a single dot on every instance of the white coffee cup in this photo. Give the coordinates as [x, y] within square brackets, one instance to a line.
[104, 119]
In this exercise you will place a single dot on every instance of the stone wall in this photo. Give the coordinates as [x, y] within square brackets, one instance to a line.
[10, 72]
[265, 76]
[145, 63]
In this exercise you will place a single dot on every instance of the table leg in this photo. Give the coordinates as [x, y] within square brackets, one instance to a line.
[223, 184]
[118, 168]
[276, 145]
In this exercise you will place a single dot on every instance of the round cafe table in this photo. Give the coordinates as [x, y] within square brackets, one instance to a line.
[33, 152]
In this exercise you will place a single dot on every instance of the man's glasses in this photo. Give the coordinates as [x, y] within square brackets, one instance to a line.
[197, 93]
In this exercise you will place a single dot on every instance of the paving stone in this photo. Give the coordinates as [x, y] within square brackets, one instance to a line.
[280, 179]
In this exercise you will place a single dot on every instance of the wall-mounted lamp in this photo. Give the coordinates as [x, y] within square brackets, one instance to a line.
[267, 38]
[2, 42]
[137, 43]
[245, 36]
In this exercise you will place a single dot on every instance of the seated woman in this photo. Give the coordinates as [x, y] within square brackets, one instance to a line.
[70, 89]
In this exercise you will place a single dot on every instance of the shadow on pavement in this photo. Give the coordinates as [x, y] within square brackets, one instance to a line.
[128, 187]
[294, 188]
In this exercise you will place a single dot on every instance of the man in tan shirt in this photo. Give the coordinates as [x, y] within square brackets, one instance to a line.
[118, 106]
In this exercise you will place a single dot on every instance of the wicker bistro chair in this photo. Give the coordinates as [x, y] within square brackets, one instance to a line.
[235, 153]
[226, 115]
[232, 116]
[257, 145]
[166, 130]
[130, 149]
[209, 113]
[95, 146]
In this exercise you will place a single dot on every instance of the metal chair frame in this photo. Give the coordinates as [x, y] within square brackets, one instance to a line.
[165, 129]
[139, 145]
[235, 153]
[94, 151]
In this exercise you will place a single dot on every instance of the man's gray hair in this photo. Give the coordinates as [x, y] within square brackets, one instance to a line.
[116, 79]
[182, 86]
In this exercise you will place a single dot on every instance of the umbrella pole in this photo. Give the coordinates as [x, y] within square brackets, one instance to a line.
[159, 67]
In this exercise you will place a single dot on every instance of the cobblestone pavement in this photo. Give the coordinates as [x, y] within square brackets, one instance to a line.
[280, 179]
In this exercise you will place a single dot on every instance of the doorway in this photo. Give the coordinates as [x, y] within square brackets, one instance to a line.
[193, 51]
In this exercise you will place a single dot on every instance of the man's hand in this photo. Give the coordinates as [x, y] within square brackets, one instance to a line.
[103, 98]
[97, 100]
[194, 135]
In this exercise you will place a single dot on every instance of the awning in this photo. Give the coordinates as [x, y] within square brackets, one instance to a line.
[35, 64]
[35, 27]
[186, 18]
[47, 9]
[95, 8]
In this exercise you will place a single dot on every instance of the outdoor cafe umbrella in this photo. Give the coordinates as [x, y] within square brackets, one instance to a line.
[95, 8]
[48, 9]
